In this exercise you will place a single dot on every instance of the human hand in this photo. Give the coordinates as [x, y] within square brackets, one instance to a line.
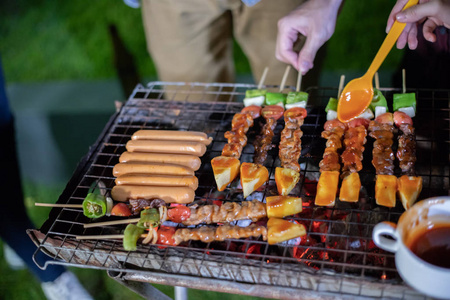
[316, 20]
[433, 12]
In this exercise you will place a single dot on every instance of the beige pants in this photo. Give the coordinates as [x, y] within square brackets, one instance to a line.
[191, 40]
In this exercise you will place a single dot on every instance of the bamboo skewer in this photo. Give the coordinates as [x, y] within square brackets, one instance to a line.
[299, 82]
[263, 78]
[59, 205]
[115, 222]
[341, 86]
[283, 81]
[103, 237]
[404, 81]
[377, 81]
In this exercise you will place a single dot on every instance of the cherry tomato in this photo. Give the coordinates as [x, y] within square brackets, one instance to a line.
[296, 112]
[165, 235]
[402, 118]
[253, 110]
[121, 210]
[386, 118]
[178, 214]
[358, 122]
[272, 111]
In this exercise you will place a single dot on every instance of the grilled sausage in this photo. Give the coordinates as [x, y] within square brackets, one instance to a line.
[150, 168]
[190, 161]
[158, 180]
[176, 194]
[172, 135]
[175, 147]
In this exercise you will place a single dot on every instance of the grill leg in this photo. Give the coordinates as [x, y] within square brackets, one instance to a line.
[181, 293]
[143, 289]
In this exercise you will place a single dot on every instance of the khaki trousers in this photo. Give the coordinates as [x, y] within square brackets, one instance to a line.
[191, 40]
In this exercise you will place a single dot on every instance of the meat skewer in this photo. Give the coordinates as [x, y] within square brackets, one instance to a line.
[409, 185]
[352, 156]
[277, 230]
[226, 166]
[254, 175]
[330, 164]
[276, 206]
[288, 175]
[381, 129]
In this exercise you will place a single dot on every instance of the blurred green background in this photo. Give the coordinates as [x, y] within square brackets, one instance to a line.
[61, 81]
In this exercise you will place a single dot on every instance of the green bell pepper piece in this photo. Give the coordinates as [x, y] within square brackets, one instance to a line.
[378, 100]
[294, 97]
[404, 100]
[94, 205]
[130, 237]
[149, 217]
[275, 98]
[332, 104]
[255, 93]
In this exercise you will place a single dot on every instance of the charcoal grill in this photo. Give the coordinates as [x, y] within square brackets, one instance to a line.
[336, 259]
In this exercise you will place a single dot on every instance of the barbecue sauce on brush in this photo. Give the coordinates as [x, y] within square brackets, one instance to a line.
[433, 246]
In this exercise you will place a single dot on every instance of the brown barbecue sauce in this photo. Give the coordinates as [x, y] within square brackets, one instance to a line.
[433, 246]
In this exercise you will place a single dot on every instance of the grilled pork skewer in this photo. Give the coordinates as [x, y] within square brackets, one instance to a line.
[226, 166]
[330, 163]
[352, 156]
[381, 129]
[276, 206]
[409, 185]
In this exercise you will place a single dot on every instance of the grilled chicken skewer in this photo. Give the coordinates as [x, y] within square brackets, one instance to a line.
[352, 156]
[330, 163]
[226, 166]
[409, 185]
[381, 129]
[275, 206]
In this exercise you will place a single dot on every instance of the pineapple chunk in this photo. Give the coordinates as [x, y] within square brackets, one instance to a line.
[327, 188]
[385, 189]
[282, 206]
[286, 179]
[279, 230]
[252, 177]
[350, 187]
[225, 170]
[409, 188]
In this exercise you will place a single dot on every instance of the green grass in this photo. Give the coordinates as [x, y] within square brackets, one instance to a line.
[42, 41]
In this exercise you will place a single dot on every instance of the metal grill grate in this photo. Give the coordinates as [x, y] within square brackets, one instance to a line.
[336, 258]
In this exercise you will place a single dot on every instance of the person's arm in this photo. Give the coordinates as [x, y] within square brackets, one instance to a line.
[433, 12]
[316, 20]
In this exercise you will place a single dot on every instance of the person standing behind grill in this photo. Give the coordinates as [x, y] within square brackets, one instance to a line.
[433, 15]
[57, 282]
[192, 40]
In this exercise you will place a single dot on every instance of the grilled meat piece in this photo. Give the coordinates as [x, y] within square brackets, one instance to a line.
[220, 233]
[137, 205]
[263, 142]
[354, 140]
[382, 154]
[227, 212]
[406, 152]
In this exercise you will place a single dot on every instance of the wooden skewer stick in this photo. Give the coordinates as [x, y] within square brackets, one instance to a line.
[404, 80]
[341, 86]
[299, 82]
[263, 78]
[59, 205]
[377, 81]
[103, 237]
[283, 81]
[115, 222]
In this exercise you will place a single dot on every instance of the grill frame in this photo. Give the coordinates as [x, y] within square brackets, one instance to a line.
[226, 267]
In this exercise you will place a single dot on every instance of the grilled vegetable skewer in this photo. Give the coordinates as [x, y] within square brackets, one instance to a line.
[277, 206]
